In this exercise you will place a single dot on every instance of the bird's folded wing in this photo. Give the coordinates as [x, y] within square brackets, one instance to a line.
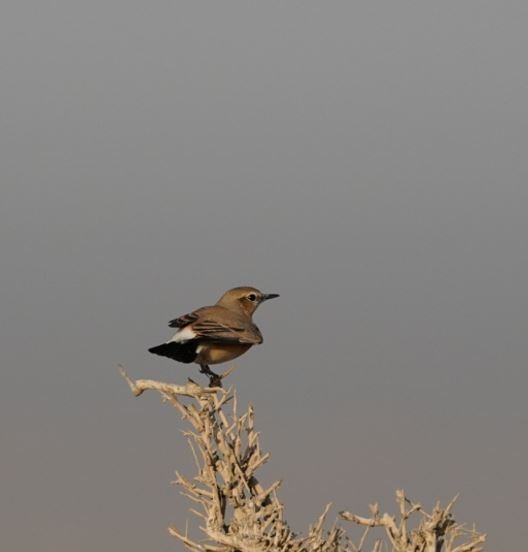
[227, 333]
[185, 320]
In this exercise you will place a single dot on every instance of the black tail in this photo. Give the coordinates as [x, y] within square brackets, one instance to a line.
[182, 352]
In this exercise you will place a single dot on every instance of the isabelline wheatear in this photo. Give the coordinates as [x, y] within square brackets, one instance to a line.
[215, 334]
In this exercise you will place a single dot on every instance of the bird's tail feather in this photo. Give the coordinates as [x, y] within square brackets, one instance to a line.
[182, 352]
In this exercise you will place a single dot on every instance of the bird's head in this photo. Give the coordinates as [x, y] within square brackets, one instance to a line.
[245, 298]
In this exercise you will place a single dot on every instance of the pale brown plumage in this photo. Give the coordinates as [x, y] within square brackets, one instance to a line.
[217, 333]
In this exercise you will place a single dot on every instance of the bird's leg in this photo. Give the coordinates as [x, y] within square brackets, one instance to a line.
[214, 379]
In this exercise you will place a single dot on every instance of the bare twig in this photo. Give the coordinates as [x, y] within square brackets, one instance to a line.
[241, 515]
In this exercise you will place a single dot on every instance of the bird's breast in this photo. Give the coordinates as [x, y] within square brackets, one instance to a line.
[215, 353]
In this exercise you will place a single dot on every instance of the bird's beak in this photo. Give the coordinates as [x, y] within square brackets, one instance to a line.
[267, 296]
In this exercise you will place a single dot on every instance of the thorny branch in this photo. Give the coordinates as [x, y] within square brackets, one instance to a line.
[239, 514]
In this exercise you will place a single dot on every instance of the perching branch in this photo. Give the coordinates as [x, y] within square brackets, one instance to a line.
[239, 514]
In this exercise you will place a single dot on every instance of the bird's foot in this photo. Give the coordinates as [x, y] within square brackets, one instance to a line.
[215, 380]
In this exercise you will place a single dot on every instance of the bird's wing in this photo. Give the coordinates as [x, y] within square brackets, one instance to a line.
[185, 319]
[227, 331]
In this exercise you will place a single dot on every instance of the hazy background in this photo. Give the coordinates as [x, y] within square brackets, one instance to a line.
[367, 160]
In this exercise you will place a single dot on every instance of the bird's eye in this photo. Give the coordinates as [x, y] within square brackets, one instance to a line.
[252, 297]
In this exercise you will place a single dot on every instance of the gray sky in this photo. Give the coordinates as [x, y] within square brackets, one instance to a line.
[367, 160]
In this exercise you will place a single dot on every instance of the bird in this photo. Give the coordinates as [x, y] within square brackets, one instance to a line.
[217, 333]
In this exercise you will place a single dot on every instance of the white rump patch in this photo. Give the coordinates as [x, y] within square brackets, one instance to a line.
[183, 335]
